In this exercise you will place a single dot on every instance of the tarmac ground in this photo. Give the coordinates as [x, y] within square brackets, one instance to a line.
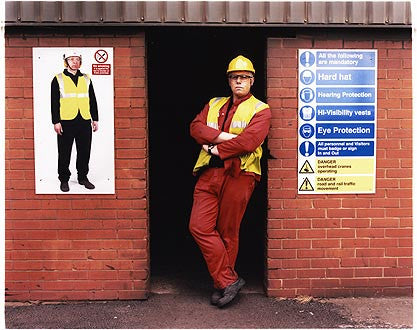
[170, 309]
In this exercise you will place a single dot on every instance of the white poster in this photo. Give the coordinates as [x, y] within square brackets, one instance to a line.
[97, 63]
[337, 97]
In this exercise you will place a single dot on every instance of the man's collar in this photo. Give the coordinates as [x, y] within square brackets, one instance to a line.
[242, 99]
[67, 73]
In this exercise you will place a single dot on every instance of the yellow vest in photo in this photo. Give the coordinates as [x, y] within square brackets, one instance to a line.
[74, 98]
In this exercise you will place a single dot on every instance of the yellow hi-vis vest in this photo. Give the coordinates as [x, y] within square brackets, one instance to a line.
[73, 98]
[250, 162]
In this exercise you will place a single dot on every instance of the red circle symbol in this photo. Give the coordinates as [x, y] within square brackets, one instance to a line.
[101, 56]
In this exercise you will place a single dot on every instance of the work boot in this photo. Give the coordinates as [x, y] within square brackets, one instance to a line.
[64, 186]
[215, 297]
[86, 184]
[230, 292]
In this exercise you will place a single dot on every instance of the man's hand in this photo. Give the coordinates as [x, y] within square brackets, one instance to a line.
[224, 136]
[94, 125]
[58, 128]
[214, 150]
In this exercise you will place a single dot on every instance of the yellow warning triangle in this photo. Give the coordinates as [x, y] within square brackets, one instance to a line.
[306, 168]
[306, 185]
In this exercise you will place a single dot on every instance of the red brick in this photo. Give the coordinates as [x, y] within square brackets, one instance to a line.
[340, 213]
[398, 252]
[311, 233]
[340, 233]
[296, 243]
[400, 232]
[326, 223]
[325, 263]
[398, 272]
[368, 272]
[383, 262]
[328, 243]
[339, 273]
[340, 253]
[325, 283]
[296, 283]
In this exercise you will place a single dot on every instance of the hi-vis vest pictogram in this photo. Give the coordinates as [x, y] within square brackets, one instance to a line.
[250, 162]
[74, 98]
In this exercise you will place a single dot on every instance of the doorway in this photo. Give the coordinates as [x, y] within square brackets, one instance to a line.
[186, 67]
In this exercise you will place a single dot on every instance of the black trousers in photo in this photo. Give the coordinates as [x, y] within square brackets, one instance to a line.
[79, 130]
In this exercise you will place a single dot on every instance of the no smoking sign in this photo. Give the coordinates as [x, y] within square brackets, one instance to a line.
[101, 57]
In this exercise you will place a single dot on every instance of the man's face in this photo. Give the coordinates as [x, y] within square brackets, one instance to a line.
[240, 82]
[74, 62]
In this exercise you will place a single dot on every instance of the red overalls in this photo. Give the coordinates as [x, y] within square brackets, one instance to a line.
[220, 197]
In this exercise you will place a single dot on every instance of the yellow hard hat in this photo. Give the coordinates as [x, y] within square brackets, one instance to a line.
[240, 63]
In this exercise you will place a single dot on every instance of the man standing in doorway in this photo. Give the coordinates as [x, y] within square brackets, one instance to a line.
[231, 131]
[74, 116]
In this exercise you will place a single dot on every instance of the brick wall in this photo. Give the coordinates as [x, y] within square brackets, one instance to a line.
[341, 245]
[91, 247]
[77, 247]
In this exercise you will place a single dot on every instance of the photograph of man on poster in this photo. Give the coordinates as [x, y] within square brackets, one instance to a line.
[72, 155]
[74, 116]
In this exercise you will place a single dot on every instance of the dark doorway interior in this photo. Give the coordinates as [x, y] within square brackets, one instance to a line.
[186, 67]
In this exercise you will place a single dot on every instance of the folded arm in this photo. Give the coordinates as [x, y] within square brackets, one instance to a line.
[204, 134]
[247, 141]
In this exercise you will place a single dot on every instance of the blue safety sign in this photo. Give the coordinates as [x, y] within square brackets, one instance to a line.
[307, 77]
[344, 148]
[307, 95]
[345, 131]
[337, 127]
[340, 58]
[307, 113]
[343, 77]
[307, 59]
[345, 95]
[307, 131]
[306, 149]
[345, 112]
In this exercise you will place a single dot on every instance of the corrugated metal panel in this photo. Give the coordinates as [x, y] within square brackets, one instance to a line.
[277, 12]
[112, 12]
[30, 12]
[401, 13]
[317, 13]
[71, 12]
[174, 12]
[256, 12]
[337, 13]
[358, 13]
[153, 12]
[132, 12]
[236, 13]
[194, 12]
[296, 12]
[50, 13]
[216, 12]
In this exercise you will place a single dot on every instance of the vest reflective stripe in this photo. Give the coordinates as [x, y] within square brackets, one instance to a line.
[212, 117]
[250, 162]
[74, 98]
[238, 124]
